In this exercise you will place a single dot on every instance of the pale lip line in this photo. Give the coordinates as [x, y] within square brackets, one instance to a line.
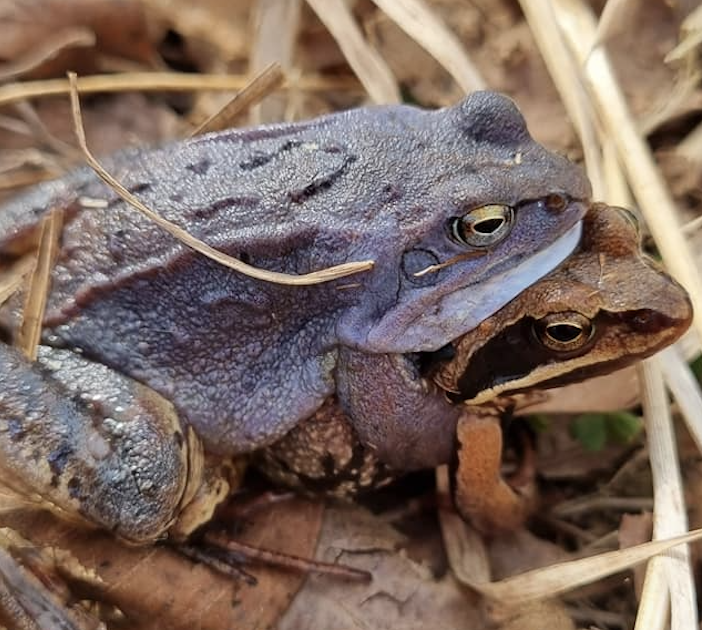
[477, 302]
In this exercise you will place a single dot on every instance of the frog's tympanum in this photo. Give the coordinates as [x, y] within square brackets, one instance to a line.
[605, 307]
[459, 209]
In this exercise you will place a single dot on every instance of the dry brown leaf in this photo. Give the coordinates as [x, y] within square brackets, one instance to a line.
[33, 596]
[649, 83]
[214, 31]
[536, 616]
[119, 27]
[369, 66]
[419, 20]
[403, 595]
[522, 551]
[125, 119]
[416, 70]
[158, 584]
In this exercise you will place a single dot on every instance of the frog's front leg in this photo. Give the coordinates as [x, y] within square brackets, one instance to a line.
[94, 446]
[403, 417]
[481, 495]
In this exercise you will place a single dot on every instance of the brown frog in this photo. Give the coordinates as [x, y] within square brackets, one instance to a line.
[606, 307]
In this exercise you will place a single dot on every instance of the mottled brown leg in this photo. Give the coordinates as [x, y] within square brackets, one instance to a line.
[33, 596]
[482, 496]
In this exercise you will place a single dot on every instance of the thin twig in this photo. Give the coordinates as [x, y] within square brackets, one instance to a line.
[261, 86]
[283, 560]
[157, 82]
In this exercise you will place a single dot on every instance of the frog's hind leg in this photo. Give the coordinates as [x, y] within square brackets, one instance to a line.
[100, 449]
[93, 446]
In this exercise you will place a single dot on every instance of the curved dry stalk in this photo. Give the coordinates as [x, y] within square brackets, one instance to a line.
[557, 579]
[316, 277]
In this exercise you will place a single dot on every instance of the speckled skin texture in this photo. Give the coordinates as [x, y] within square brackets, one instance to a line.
[91, 445]
[323, 455]
[243, 360]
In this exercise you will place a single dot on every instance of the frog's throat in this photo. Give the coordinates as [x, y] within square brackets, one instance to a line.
[463, 310]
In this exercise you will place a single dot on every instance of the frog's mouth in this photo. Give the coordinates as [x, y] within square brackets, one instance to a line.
[459, 312]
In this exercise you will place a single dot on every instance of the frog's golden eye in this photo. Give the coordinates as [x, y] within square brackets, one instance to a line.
[484, 226]
[564, 332]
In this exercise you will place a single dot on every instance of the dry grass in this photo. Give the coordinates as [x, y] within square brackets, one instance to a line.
[622, 168]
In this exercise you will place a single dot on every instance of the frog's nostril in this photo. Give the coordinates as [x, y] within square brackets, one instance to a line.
[556, 202]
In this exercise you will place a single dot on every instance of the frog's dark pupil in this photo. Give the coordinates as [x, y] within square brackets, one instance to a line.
[488, 226]
[564, 333]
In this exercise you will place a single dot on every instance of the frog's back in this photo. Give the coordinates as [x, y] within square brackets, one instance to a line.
[181, 178]
[132, 297]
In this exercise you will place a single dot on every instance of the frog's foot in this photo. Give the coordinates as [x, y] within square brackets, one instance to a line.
[220, 552]
[481, 494]
[243, 508]
[33, 592]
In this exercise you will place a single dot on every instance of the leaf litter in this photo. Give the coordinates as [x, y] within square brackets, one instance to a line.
[342, 59]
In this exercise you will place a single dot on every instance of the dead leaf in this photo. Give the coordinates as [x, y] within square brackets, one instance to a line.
[157, 583]
[123, 120]
[119, 28]
[404, 595]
